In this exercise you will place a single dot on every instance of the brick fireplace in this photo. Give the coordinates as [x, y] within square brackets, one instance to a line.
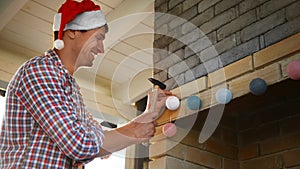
[255, 132]
[252, 39]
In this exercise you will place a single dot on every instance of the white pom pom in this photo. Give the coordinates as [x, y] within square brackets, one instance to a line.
[172, 103]
[59, 44]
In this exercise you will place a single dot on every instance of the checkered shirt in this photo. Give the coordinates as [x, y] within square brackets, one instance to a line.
[46, 124]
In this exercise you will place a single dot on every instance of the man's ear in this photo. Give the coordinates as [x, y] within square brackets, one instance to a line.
[70, 33]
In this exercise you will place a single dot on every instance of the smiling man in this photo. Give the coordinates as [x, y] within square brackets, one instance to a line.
[46, 123]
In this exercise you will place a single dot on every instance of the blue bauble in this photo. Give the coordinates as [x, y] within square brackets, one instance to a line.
[223, 96]
[193, 103]
[258, 86]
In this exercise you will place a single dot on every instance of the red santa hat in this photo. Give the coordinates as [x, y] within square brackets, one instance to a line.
[74, 15]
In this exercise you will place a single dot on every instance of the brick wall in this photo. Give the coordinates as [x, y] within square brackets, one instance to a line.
[218, 152]
[234, 42]
[269, 130]
[234, 28]
[254, 133]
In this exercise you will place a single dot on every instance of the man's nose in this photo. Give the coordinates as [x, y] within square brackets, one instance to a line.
[100, 46]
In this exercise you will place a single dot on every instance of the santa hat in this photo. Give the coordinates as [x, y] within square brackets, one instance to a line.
[74, 15]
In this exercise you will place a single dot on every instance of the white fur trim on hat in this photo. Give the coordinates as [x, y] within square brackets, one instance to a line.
[84, 21]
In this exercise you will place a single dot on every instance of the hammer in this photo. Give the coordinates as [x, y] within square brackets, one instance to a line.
[157, 84]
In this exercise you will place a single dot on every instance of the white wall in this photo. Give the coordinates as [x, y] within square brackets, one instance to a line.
[115, 161]
[2, 107]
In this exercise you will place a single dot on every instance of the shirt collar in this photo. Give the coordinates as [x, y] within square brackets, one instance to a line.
[58, 62]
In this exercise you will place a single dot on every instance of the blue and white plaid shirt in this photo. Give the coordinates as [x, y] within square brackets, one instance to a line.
[46, 124]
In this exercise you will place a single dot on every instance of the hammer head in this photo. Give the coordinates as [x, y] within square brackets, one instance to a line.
[158, 83]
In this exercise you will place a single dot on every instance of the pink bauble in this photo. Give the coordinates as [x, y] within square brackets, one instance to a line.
[293, 70]
[169, 129]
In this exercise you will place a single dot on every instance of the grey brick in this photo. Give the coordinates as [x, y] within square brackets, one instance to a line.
[247, 5]
[159, 54]
[171, 83]
[200, 44]
[179, 79]
[163, 8]
[168, 61]
[159, 2]
[238, 38]
[212, 65]
[236, 25]
[188, 52]
[226, 44]
[195, 73]
[161, 75]
[187, 27]
[208, 53]
[293, 11]
[225, 4]
[189, 3]
[190, 13]
[175, 33]
[205, 4]
[178, 68]
[191, 37]
[273, 6]
[203, 17]
[192, 61]
[257, 13]
[261, 41]
[180, 53]
[239, 52]
[237, 11]
[162, 42]
[262, 26]
[163, 30]
[218, 21]
[161, 19]
[176, 22]
[189, 76]
[212, 37]
[174, 46]
[177, 10]
[282, 31]
[173, 3]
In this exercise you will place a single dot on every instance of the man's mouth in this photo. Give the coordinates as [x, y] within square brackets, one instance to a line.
[94, 54]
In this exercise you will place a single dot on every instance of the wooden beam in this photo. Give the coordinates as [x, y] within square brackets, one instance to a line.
[9, 10]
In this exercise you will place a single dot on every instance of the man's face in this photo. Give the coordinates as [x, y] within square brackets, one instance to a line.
[91, 44]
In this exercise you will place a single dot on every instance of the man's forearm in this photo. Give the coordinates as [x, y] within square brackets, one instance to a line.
[116, 140]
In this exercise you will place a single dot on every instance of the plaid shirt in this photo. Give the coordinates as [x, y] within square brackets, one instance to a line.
[46, 124]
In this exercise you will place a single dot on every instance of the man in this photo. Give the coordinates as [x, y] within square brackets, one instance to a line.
[46, 124]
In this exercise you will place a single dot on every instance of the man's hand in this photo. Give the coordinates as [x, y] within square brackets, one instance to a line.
[138, 130]
[159, 104]
[143, 126]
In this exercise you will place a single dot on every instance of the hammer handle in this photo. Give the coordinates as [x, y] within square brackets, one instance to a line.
[155, 93]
